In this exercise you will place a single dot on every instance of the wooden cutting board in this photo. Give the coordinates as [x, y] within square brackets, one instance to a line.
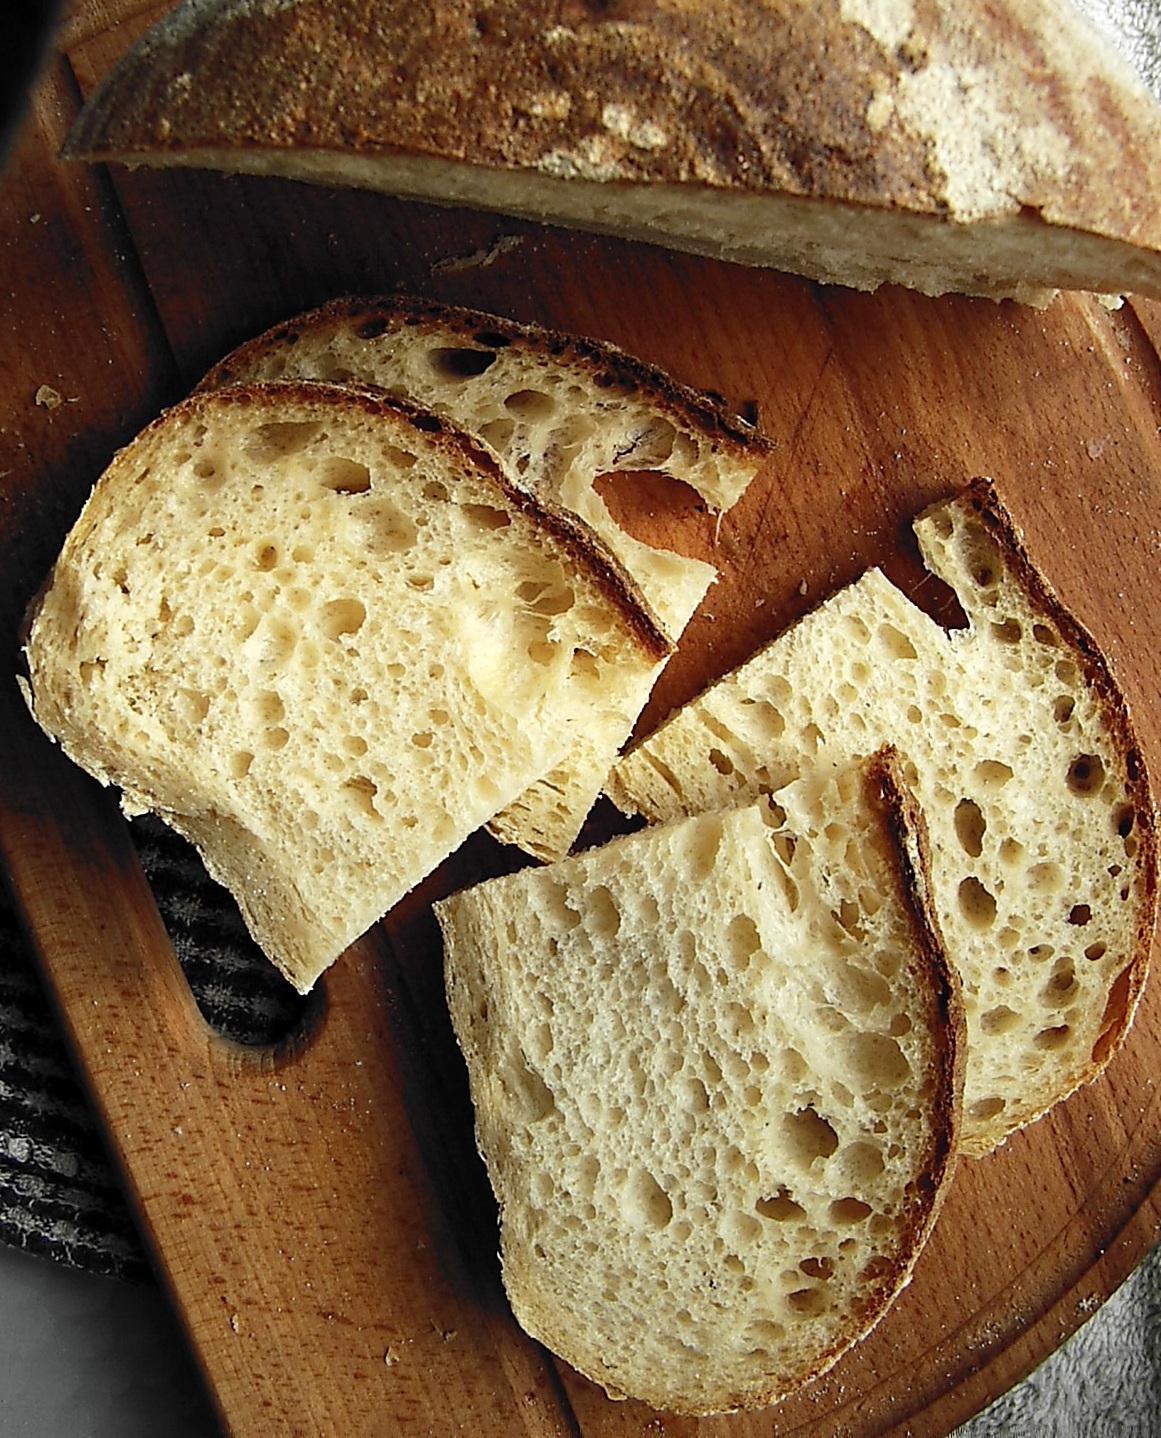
[316, 1209]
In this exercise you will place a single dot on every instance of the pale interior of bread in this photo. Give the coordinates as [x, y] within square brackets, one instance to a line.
[323, 642]
[1019, 257]
[1042, 872]
[713, 1082]
[559, 425]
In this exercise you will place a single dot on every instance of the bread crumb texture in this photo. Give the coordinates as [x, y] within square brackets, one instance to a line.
[320, 635]
[1022, 755]
[714, 1078]
[560, 412]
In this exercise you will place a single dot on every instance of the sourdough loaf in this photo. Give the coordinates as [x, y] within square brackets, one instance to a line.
[320, 634]
[561, 412]
[1022, 754]
[997, 149]
[716, 1072]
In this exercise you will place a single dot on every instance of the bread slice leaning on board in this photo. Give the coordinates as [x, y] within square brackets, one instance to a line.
[717, 1071]
[996, 149]
[320, 634]
[561, 412]
[1022, 754]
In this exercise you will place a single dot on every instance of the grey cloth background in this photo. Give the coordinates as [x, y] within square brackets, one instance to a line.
[59, 1197]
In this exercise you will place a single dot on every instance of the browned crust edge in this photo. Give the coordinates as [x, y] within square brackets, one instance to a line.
[600, 357]
[982, 497]
[585, 547]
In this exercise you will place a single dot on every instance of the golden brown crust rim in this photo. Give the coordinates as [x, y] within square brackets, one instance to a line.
[587, 549]
[909, 847]
[608, 363]
[755, 96]
[989, 508]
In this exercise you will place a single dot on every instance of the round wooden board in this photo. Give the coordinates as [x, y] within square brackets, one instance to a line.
[344, 1163]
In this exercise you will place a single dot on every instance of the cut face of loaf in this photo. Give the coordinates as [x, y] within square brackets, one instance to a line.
[714, 1069]
[560, 412]
[998, 149]
[320, 635]
[1022, 755]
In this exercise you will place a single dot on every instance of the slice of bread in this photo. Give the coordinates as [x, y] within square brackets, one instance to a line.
[560, 412]
[716, 1070]
[321, 635]
[1003, 149]
[1023, 756]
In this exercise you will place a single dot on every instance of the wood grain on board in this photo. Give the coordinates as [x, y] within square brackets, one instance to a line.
[317, 1210]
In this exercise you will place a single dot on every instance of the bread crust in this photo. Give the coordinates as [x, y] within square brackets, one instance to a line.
[587, 548]
[250, 749]
[1125, 993]
[949, 112]
[616, 365]
[973, 544]
[492, 971]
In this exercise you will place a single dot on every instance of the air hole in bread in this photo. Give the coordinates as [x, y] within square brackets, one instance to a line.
[1053, 1038]
[982, 556]
[806, 1302]
[1060, 988]
[280, 439]
[530, 404]
[1080, 914]
[781, 1208]
[1007, 631]
[1044, 878]
[743, 940]
[1000, 1020]
[345, 476]
[847, 1211]
[1086, 774]
[646, 1203]
[546, 599]
[265, 556]
[860, 1163]
[361, 791]
[498, 433]
[984, 1109]
[970, 827]
[895, 643]
[529, 1090]
[976, 904]
[460, 363]
[486, 516]
[339, 617]
[604, 917]
[875, 1060]
[808, 1136]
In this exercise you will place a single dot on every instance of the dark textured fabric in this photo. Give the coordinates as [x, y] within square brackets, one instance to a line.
[59, 1195]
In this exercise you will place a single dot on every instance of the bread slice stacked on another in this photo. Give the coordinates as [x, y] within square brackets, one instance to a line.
[321, 634]
[716, 1068]
[561, 412]
[1023, 757]
[1002, 149]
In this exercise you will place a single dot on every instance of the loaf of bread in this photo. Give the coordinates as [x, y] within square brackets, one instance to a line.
[561, 412]
[997, 149]
[716, 1068]
[1023, 757]
[320, 634]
